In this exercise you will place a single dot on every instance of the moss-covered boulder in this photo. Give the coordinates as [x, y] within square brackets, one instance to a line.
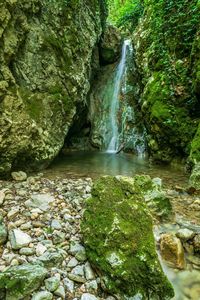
[20, 281]
[111, 44]
[117, 232]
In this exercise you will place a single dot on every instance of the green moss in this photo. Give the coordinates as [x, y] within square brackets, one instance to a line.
[195, 147]
[119, 241]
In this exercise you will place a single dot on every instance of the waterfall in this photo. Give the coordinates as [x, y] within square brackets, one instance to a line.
[113, 120]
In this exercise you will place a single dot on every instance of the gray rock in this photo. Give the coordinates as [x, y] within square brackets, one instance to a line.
[3, 232]
[76, 278]
[185, 234]
[87, 296]
[43, 295]
[72, 263]
[52, 283]
[19, 239]
[19, 176]
[60, 292]
[41, 201]
[69, 285]
[51, 259]
[58, 237]
[78, 251]
[28, 277]
[55, 224]
[78, 270]
[91, 286]
[27, 251]
[89, 274]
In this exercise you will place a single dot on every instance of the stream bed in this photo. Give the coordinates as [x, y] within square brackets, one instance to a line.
[94, 164]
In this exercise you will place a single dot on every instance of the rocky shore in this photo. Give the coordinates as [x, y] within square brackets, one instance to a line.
[42, 255]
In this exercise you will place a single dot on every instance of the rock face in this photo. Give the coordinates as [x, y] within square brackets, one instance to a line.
[111, 43]
[46, 57]
[169, 68]
[117, 231]
[21, 281]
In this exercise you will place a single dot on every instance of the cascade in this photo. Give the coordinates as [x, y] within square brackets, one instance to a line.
[113, 120]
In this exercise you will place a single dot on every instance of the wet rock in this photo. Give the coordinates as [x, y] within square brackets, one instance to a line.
[19, 176]
[112, 224]
[185, 234]
[3, 231]
[52, 283]
[43, 295]
[19, 239]
[41, 201]
[172, 250]
[21, 281]
[110, 47]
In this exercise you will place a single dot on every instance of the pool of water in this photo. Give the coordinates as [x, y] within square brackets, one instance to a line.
[95, 164]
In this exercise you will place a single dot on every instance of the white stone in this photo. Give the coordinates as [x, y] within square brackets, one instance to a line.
[19, 239]
[87, 296]
[60, 292]
[40, 249]
[2, 197]
[89, 274]
[69, 285]
[72, 263]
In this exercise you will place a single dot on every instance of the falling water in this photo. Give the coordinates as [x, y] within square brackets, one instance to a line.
[114, 144]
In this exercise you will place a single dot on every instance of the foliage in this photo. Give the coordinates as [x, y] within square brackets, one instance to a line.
[125, 13]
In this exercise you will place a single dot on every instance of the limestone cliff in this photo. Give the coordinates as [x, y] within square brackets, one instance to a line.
[46, 53]
[167, 53]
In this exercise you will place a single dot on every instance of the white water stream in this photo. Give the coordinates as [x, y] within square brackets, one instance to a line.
[114, 141]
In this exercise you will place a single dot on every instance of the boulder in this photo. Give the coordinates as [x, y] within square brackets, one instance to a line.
[119, 241]
[172, 250]
[20, 281]
[110, 47]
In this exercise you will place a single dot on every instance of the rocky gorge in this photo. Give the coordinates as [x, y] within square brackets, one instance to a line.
[116, 215]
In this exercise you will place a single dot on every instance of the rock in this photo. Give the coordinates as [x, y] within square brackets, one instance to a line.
[78, 251]
[113, 221]
[2, 197]
[55, 224]
[196, 243]
[41, 201]
[51, 259]
[27, 251]
[89, 274]
[110, 47]
[60, 292]
[19, 176]
[76, 278]
[69, 285]
[194, 180]
[21, 281]
[185, 234]
[52, 283]
[87, 296]
[43, 295]
[172, 250]
[91, 286]
[40, 249]
[72, 263]
[156, 199]
[19, 239]
[13, 213]
[3, 231]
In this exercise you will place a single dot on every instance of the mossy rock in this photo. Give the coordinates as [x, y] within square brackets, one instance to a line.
[194, 180]
[119, 241]
[20, 281]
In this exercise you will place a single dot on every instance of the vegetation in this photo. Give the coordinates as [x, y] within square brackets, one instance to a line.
[125, 13]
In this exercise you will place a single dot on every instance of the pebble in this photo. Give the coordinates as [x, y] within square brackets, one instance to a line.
[40, 249]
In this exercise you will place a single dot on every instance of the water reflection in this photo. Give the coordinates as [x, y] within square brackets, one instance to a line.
[94, 164]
